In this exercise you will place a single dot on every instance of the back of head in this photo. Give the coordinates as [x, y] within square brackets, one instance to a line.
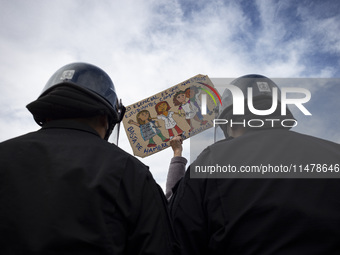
[265, 94]
[78, 90]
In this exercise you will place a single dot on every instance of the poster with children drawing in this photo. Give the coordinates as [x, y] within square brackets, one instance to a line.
[186, 109]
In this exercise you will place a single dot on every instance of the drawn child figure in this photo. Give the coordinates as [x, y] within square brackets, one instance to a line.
[193, 93]
[148, 128]
[189, 108]
[162, 109]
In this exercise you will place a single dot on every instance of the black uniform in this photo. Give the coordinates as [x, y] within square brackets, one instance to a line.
[64, 190]
[261, 216]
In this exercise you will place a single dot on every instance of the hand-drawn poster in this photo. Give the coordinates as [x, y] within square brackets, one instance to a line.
[186, 109]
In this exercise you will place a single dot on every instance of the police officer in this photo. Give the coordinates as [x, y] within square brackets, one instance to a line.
[244, 213]
[65, 190]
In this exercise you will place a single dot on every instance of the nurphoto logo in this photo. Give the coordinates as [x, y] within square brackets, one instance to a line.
[238, 97]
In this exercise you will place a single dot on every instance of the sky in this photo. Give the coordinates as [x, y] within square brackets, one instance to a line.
[150, 45]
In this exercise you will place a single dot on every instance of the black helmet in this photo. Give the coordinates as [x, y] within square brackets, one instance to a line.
[262, 89]
[263, 96]
[90, 79]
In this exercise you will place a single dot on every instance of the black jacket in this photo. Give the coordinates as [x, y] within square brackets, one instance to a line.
[261, 216]
[64, 190]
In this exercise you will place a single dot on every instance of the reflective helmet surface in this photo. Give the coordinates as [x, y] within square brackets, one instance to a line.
[88, 78]
[262, 88]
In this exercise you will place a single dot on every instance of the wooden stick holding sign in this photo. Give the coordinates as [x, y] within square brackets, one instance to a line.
[151, 123]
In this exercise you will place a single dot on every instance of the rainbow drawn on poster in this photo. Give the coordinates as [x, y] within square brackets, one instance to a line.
[214, 90]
